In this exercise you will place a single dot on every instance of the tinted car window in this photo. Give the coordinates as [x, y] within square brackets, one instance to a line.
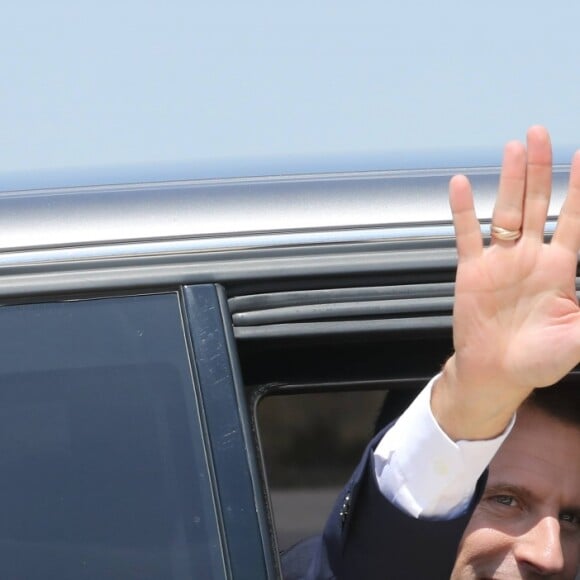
[311, 443]
[104, 473]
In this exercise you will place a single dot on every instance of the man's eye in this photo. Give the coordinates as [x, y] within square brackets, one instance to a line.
[507, 500]
[570, 518]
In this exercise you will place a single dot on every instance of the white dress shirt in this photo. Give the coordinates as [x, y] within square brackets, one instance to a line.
[422, 471]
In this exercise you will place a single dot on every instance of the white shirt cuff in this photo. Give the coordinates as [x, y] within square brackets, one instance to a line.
[422, 471]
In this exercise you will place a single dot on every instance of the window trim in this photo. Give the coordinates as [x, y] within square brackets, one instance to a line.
[248, 540]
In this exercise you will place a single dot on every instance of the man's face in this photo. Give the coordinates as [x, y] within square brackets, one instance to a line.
[527, 522]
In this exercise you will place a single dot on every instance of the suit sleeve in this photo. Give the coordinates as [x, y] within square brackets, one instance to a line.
[368, 537]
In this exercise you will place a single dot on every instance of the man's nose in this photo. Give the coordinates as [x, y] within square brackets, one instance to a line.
[540, 548]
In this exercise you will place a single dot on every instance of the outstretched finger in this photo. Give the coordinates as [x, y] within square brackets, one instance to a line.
[567, 232]
[538, 183]
[508, 209]
[467, 230]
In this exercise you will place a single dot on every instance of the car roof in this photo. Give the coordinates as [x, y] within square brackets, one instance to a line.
[217, 208]
[70, 241]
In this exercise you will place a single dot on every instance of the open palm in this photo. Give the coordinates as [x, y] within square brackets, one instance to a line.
[516, 317]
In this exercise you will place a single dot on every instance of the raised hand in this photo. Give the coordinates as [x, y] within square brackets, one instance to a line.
[516, 318]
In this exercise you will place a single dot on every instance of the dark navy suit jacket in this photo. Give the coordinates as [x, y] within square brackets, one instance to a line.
[367, 538]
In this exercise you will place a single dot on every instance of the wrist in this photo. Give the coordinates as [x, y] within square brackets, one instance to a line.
[469, 409]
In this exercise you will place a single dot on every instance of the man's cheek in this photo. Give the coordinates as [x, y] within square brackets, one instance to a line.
[481, 551]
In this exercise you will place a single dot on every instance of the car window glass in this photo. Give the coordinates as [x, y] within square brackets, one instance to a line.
[104, 473]
[311, 443]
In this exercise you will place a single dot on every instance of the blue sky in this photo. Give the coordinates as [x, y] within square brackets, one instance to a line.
[204, 89]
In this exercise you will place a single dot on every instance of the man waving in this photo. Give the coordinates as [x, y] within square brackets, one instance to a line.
[480, 477]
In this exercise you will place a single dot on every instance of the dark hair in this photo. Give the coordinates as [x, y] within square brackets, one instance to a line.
[561, 400]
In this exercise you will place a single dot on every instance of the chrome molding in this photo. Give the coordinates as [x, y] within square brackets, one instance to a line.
[58, 258]
[221, 244]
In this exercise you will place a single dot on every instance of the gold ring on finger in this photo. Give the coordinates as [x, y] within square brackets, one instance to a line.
[504, 234]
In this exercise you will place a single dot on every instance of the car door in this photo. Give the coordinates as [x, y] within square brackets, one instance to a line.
[121, 444]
